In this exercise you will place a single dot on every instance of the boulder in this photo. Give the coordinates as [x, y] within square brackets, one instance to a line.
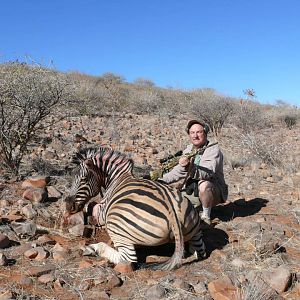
[24, 229]
[36, 195]
[279, 279]
[222, 289]
[35, 182]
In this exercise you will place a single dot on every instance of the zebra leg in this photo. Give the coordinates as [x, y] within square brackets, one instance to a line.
[103, 250]
[197, 246]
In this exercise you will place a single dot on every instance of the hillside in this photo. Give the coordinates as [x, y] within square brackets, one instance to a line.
[253, 243]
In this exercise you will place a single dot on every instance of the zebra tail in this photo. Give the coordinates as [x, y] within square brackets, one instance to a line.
[170, 264]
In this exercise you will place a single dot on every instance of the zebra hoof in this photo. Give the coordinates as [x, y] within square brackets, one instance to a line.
[88, 251]
[201, 255]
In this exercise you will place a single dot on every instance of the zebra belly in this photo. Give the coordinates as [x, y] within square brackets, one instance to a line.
[121, 241]
[131, 235]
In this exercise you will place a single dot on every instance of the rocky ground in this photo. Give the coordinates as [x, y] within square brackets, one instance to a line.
[253, 243]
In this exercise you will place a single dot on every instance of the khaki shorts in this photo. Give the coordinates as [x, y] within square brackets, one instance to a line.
[216, 194]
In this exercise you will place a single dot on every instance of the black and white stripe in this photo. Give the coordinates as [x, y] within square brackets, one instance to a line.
[136, 212]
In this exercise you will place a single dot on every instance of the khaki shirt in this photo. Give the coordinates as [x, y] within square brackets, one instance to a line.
[212, 159]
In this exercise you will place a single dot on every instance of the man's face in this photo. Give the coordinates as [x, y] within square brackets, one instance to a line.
[197, 135]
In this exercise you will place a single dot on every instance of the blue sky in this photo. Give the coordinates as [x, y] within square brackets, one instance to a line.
[228, 45]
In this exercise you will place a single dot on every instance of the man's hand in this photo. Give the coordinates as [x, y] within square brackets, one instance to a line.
[184, 161]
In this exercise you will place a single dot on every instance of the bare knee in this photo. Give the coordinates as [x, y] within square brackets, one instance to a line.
[209, 193]
[204, 186]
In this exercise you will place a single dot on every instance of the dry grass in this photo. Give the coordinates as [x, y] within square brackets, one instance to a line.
[256, 290]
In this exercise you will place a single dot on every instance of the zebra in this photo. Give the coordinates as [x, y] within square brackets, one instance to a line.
[136, 212]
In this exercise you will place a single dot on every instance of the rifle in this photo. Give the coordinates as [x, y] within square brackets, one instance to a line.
[167, 164]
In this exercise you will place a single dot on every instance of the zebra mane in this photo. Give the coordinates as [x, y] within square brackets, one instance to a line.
[90, 152]
[114, 154]
[83, 154]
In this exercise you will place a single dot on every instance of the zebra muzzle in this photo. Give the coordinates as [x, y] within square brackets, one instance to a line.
[88, 251]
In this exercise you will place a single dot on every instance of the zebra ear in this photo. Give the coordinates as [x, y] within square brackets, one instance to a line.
[89, 164]
[77, 158]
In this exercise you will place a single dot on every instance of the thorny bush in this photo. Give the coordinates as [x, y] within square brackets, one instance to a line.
[29, 95]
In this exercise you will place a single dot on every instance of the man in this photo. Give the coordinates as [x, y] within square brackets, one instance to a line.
[203, 174]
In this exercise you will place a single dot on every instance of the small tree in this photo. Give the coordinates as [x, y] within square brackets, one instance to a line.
[290, 121]
[146, 101]
[28, 95]
[144, 82]
[212, 108]
[111, 91]
[248, 116]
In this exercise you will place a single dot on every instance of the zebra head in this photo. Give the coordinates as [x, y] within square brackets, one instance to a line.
[87, 182]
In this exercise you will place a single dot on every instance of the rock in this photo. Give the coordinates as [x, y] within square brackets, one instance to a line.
[77, 218]
[279, 279]
[156, 292]
[24, 229]
[77, 230]
[248, 226]
[4, 241]
[222, 289]
[28, 211]
[200, 288]
[36, 195]
[31, 253]
[183, 285]
[257, 286]
[265, 242]
[218, 254]
[35, 182]
[12, 217]
[3, 260]
[59, 285]
[25, 280]
[45, 240]
[60, 255]
[40, 270]
[80, 230]
[46, 278]
[99, 295]
[42, 254]
[58, 247]
[124, 267]
[53, 192]
[114, 281]
[84, 264]
[20, 250]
